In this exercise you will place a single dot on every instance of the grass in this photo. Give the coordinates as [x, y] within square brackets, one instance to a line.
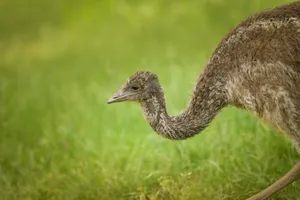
[60, 140]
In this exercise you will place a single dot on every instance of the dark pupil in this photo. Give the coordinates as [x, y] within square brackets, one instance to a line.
[134, 88]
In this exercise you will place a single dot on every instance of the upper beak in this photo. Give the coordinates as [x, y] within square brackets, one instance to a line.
[117, 97]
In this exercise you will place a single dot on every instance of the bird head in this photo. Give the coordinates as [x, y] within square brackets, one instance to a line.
[140, 87]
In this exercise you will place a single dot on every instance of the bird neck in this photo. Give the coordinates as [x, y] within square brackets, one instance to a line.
[205, 104]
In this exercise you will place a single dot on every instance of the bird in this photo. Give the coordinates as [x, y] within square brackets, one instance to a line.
[255, 67]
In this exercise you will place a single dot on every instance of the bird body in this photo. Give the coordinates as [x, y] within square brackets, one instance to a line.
[261, 61]
[255, 67]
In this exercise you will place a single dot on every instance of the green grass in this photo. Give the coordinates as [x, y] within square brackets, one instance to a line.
[60, 140]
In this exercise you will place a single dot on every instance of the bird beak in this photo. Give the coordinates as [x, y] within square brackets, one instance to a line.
[119, 96]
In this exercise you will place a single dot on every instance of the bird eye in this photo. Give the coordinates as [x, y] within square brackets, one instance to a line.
[134, 88]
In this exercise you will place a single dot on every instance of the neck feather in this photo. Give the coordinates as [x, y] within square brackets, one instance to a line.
[205, 104]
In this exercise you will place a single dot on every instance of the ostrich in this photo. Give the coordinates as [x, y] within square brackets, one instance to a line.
[255, 67]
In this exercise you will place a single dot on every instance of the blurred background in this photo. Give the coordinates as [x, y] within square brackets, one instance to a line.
[59, 63]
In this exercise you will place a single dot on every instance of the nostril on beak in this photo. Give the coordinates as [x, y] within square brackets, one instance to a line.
[112, 99]
[116, 97]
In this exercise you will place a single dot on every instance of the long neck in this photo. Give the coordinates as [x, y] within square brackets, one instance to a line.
[205, 104]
